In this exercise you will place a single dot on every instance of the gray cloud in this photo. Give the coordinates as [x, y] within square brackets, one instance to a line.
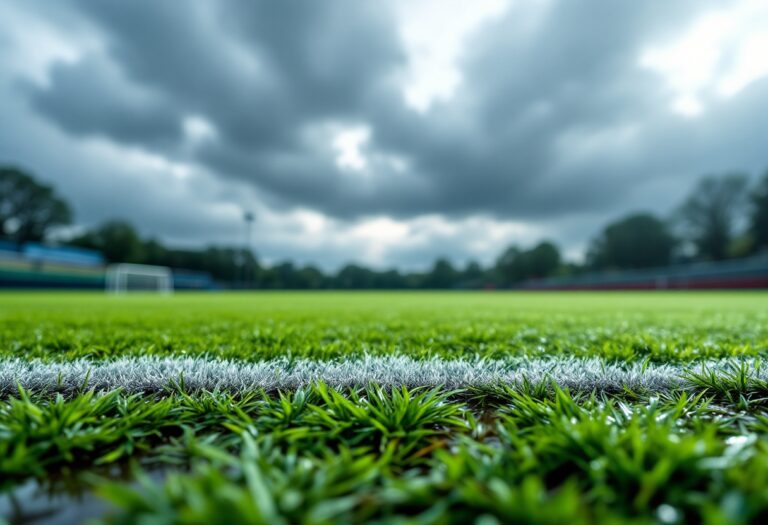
[554, 122]
[572, 78]
[90, 97]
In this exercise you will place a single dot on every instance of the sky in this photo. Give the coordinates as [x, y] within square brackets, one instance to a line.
[387, 133]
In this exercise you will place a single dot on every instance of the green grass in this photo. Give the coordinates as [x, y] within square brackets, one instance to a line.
[531, 453]
[626, 326]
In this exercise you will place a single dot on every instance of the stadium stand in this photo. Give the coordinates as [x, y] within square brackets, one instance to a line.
[34, 265]
[737, 273]
[62, 255]
[189, 280]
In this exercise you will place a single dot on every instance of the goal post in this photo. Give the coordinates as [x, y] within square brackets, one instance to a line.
[125, 277]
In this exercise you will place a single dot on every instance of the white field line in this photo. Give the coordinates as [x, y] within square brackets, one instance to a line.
[155, 374]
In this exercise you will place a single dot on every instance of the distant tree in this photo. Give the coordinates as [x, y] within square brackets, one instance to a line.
[758, 220]
[568, 269]
[228, 265]
[353, 276]
[517, 265]
[473, 271]
[710, 214]
[311, 278]
[116, 240]
[390, 279]
[639, 240]
[414, 280]
[742, 245]
[234, 265]
[268, 279]
[29, 209]
[442, 275]
[543, 260]
[288, 276]
[508, 264]
[155, 252]
[473, 276]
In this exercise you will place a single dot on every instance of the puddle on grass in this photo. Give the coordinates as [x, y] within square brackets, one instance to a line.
[34, 503]
[63, 501]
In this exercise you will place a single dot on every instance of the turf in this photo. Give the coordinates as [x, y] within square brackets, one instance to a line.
[388, 407]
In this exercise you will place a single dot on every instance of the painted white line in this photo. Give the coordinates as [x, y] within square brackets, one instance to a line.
[155, 374]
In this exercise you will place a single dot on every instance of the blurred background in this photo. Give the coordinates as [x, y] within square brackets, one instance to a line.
[404, 145]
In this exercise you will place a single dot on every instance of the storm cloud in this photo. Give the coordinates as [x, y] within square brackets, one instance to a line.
[542, 118]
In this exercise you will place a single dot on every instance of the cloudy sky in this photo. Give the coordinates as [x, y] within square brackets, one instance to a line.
[382, 132]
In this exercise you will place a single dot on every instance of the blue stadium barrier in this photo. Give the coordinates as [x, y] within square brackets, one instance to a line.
[750, 272]
[35, 265]
[62, 255]
[189, 280]
[8, 247]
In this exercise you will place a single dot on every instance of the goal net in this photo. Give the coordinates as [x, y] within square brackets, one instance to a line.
[126, 277]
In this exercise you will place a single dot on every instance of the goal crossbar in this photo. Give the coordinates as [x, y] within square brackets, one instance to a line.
[119, 278]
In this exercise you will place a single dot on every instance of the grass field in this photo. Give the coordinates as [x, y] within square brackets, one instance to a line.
[384, 407]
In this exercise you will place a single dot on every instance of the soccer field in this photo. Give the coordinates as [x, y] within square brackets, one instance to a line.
[380, 407]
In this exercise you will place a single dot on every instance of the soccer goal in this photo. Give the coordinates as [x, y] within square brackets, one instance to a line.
[126, 277]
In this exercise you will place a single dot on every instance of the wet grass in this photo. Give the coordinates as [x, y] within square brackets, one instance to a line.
[318, 455]
[532, 453]
[634, 326]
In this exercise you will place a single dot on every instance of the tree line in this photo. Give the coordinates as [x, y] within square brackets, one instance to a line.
[722, 217]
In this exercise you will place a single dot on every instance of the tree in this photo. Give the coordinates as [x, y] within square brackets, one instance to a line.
[508, 266]
[310, 277]
[517, 265]
[639, 240]
[29, 209]
[287, 276]
[354, 276]
[442, 275]
[758, 224]
[543, 260]
[473, 276]
[473, 271]
[390, 279]
[711, 212]
[116, 240]
[155, 252]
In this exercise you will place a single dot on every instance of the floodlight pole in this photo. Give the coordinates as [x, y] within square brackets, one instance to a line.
[249, 218]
